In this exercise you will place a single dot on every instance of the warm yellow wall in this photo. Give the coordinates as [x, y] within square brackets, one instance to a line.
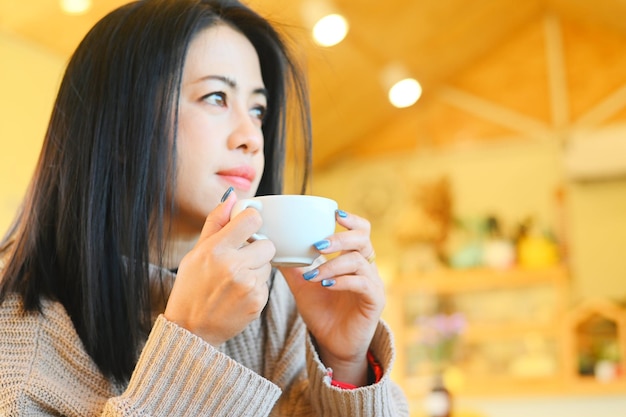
[511, 180]
[29, 79]
[597, 218]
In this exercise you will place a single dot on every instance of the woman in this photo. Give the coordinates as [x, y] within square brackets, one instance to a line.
[126, 289]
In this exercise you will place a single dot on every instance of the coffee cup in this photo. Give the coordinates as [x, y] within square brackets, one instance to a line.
[293, 223]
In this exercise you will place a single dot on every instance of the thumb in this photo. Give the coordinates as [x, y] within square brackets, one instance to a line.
[220, 216]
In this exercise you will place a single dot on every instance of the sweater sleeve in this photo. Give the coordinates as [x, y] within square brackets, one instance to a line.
[178, 374]
[382, 399]
[44, 371]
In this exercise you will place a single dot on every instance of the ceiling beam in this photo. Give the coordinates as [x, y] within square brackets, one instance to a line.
[494, 112]
[608, 107]
[557, 78]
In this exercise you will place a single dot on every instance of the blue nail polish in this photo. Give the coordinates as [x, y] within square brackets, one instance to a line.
[342, 214]
[226, 194]
[310, 274]
[322, 244]
[328, 282]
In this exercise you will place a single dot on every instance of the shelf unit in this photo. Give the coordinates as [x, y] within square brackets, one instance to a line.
[512, 316]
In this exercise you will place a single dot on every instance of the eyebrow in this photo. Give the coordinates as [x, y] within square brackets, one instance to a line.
[233, 84]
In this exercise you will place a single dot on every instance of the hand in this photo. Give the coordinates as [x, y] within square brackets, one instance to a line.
[342, 317]
[221, 284]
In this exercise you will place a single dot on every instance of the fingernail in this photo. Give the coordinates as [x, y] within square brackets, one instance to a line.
[226, 194]
[310, 274]
[328, 282]
[342, 213]
[322, 244]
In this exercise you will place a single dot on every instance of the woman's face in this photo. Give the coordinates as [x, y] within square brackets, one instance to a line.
[220, 142]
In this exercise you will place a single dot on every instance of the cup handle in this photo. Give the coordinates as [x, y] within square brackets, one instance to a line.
[241, 205]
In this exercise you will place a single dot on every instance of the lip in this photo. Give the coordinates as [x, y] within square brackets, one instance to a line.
[240, 177]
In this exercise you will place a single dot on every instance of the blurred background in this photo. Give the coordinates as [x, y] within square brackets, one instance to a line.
[495, 182]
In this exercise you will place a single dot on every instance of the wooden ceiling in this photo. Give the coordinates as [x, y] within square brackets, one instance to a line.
[490, 69]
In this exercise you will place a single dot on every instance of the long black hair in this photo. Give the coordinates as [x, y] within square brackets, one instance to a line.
[97, 201]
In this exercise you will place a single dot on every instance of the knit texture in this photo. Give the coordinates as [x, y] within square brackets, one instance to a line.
[267, 370]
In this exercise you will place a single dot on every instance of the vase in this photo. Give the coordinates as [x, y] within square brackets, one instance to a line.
[438, 401]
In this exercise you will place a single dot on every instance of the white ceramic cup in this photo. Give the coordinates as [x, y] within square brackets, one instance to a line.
[293, 223]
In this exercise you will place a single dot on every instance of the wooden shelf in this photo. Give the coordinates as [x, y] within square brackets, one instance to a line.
[452, 281]
[483, 332]
[490, 332]
[489, 284]
[522, 387]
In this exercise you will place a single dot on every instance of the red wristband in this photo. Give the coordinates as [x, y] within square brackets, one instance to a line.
[374, 374]
[376, 371]
[342, 385]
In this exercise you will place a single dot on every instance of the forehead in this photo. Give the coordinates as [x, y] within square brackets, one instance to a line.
[220, 48]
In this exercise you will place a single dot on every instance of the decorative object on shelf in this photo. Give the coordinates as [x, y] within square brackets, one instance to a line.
[498, 251]
[537, 252]
[597, 345]
[438, 336]
[465, 243]
[468, 256]
[535, 360]
[535, 249]
[423, 225]
[438, 402]
[512, 340]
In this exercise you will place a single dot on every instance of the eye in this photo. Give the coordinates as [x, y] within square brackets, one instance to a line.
[217, 98]
[259, 112]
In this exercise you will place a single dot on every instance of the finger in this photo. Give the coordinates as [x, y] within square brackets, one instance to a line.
[352, 240]
[254, 279]
[263, 276]
[356, 241]
[352, 221]
[369, 291]
[258, 254]
[260, 295]
[234, 232]
[239, 230]
[350, 263]
[295, 275]
[260, 298]
[352, 283]
[356, 238]
[254, 289]
[219, 217]
[350, 272]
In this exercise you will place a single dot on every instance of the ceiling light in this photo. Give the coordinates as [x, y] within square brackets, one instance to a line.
[405, 93]
[328, 27]
[330, 30]
[75, 6]
[403, 90]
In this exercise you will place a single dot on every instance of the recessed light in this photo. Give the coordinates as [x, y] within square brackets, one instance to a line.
[75, 6]
[405, 93]
[330, 30]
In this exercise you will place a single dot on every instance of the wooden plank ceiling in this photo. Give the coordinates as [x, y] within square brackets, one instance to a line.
[490, 70]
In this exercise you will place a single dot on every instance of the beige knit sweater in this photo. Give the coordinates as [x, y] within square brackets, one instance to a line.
[45, 371]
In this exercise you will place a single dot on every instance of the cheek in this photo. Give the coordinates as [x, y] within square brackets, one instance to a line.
[194, 162]
[194, 151]
[259, 166]
[190, 153]
[195, 191]
[185, 166]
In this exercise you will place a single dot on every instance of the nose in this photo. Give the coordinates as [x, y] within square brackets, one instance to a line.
[246, 134]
